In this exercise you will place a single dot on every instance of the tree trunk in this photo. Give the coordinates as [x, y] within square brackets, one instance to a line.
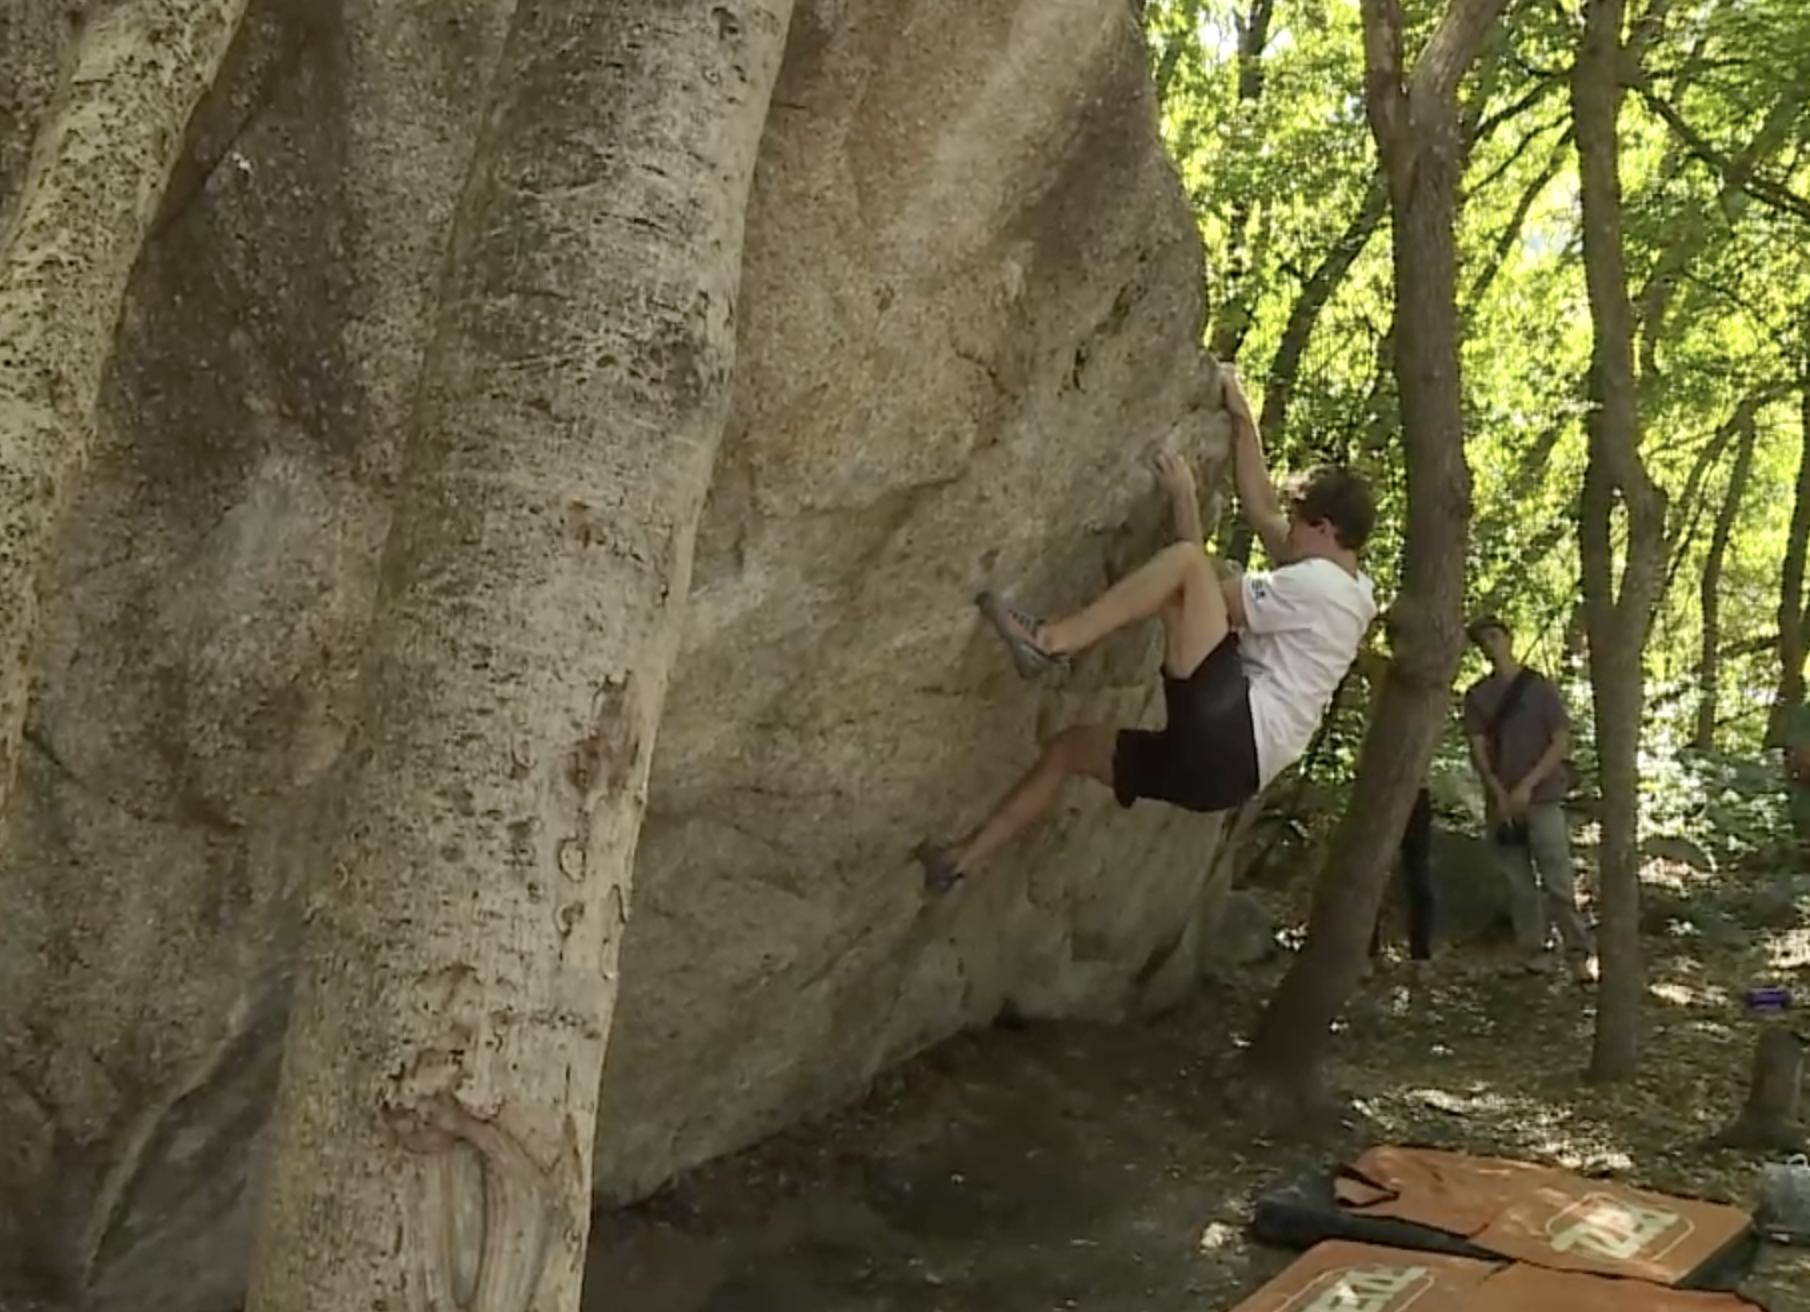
[1768, 1120]
[433, 1135]
[1793, 621]
[1284, 373]
[1304, 316]
[99, 168]
[1323, 283]
[1687, 508]
[1232, 315]
[1416, 128]
[1703, 217]
[1709, 596]
[1508, 239]
[1617, 620]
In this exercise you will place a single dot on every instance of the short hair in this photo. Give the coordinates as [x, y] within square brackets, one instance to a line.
[1332, 494]
[1482, 624]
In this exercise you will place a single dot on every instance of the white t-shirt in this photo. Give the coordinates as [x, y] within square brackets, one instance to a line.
[1303, 625]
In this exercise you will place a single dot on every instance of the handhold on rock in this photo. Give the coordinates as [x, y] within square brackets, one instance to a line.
[940, 874]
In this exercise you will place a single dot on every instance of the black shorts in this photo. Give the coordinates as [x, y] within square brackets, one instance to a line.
[1204, 758]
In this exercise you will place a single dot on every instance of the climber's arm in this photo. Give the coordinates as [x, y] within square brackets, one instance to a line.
[1262, 507]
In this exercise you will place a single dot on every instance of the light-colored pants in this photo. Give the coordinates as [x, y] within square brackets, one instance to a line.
[1542, 887]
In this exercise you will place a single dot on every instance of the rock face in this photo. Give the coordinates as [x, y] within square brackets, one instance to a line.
[970, 298]
[971, 305]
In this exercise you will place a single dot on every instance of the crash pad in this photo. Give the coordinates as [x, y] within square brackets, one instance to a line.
[1485, 1207]
[1339, 1276]
[1524, 1288]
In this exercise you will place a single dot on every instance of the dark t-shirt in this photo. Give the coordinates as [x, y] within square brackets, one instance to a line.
[1524, 737]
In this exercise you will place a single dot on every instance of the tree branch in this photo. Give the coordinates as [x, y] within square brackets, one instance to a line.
[1495, 175]
[1648, 28]
[1451, 48]
[1767, 191]
[1285, 369]
[1511, 231]
[1541, 89]
[1688, 681]
[1384, 97]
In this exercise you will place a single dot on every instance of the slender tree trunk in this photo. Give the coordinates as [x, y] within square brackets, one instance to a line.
[1768, 1119]
[1793, 621]
[98, 171]
[1509, 238]
[433, 1133]
[1304, 316]
[1686, 511]
[1691, 234]
[1284, 373]
[1709, 595]
[1416, 127]
[1232, 315]
[1618, 620]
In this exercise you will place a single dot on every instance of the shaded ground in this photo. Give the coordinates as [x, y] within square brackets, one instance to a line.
[1088, 1167]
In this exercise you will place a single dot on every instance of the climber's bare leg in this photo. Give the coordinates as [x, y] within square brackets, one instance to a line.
[1082, 749]
[1193, 612]
[1194, 618]
[1179, 584]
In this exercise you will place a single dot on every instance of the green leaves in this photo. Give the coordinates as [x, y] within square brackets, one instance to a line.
[1273, 147]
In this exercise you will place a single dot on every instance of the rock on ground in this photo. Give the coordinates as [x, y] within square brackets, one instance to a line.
[972, 304]
[1245, 933]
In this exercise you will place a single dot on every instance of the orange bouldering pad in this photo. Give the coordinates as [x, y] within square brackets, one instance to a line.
[1344, 1277]
[1544, 1216]
[1338, 1276]
[1523, 1288]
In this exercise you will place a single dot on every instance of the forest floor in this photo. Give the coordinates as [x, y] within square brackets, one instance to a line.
[1094, 1168]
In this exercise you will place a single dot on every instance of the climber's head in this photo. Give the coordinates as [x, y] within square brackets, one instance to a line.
[1330, 513]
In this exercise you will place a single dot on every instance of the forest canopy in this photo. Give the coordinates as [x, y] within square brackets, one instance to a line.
[1263, 109]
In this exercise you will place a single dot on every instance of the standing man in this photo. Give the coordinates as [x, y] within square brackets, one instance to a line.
[1520, 733]
[1250, 661]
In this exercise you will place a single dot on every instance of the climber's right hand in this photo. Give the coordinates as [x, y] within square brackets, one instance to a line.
[1174, 476]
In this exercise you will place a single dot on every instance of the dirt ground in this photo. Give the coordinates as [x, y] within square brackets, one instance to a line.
[1094, 1168]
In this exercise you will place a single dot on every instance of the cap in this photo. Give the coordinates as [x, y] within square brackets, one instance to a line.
[1481, 624]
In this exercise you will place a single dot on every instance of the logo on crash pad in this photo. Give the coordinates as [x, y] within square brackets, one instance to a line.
[1616, 1230]
[1364, 1289]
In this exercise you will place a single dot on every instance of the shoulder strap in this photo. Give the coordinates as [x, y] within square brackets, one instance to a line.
[1510, 699]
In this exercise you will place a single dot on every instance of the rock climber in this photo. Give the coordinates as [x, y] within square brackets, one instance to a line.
[1250, 660]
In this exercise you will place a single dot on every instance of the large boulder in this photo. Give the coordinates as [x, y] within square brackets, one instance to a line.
[1470, 890]
[972, 304]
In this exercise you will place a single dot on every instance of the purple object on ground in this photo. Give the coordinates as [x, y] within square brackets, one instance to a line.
[1769, 997]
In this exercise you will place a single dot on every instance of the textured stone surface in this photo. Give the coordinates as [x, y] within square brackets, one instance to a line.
[971, 305]
[34, 36]
[203, 636]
